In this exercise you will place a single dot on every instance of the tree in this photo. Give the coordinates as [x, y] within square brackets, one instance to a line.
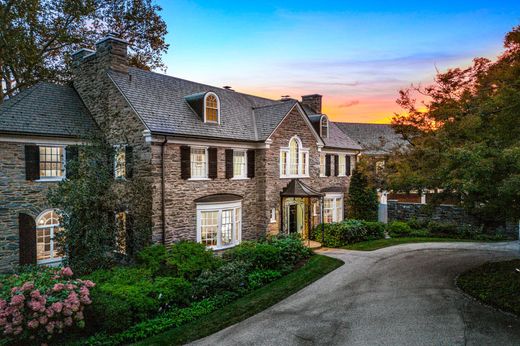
[87, 201]
[37, 37]
[362, 198]
[467, 141]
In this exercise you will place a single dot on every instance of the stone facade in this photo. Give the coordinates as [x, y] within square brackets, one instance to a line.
[441, 213]
[18, 195]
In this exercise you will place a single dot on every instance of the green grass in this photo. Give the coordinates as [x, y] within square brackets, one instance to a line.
[371, 245]
[248, 305]
[496, 284]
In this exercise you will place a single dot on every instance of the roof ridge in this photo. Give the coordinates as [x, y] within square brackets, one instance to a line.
[276, 104]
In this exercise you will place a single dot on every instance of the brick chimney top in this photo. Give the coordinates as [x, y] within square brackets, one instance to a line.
[313, 102]
[110, 53]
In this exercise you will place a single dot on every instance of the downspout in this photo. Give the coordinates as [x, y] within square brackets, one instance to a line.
[163, 204]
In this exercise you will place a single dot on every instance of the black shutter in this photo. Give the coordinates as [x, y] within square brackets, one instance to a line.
[185, 162]
[250, 163]
[129, 162]
[347, 164]
[71, 155]
[212, 163]
[129, 241]
[336, 165]
[32, 162]
[229, 163]
[27, 243]
[111, 155]
[327, 165]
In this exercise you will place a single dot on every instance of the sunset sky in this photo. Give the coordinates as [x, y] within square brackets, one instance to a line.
[357, 54]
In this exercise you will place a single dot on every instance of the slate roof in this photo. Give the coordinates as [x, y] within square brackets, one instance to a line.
[268, 117]
[376, 139]
[46, 109]
[296, 188]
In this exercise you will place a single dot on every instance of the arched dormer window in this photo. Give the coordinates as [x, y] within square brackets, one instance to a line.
[324, 127]
[211, 108]
[294, 160]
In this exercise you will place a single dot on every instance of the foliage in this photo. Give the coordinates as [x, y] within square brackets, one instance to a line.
[399, 229]
[261, 277]
[154, 258]
[347, 232]
[464, 139]
[127, 295]
[189, 259]
[362, 198]
[292, 249]
[230, 277]
[495, 283]
[258, 255]
[37, 304]
[39, 36]
[87, 201]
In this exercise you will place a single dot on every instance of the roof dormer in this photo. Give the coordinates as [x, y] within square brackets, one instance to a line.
[206, 105]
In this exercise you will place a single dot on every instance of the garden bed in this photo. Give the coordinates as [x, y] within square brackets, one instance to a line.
[494, 283]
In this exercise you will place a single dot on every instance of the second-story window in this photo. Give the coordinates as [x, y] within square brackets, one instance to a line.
[211, 108]
[322, 165]
[342, 165]
[239, 164]
[294, 160]
[51, 162]
[119, 161]
[199, 163]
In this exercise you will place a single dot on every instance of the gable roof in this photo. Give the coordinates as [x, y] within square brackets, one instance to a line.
[46, 109]
[376, 139]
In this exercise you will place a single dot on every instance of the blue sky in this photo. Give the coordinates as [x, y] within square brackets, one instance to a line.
[357, 54]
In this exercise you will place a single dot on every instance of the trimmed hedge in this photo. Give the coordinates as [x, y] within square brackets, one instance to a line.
[348, 232]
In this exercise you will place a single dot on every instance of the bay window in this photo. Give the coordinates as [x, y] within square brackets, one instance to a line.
[219, 225]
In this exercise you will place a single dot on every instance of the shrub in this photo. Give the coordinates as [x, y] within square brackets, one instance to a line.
[125, 296]
[362, 198]
[347, 232]
[230, 277]
[418, 224]
[154, 258]
[259, 278]
[442, 228]
[42, 302]
[419, 233]
[189, 259]
[375, 230]
[292, 249]
[259, 255]
[398, 229]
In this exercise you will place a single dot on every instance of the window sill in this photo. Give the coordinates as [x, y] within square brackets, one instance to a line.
[45, 180]
[198, 179]
[50, 262]
[240, 178]
[293, 176]
[215, 248]
[272, 221]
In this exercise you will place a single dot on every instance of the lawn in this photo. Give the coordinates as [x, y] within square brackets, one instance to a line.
[371, 245]
[496, 284]
[248, 305]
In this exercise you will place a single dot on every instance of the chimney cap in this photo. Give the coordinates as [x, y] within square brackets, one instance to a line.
[112, 36]
[312, 95]
[83, 50]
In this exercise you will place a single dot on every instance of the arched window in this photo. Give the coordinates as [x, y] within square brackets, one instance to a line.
[294, 159]
[47, 226]
[211, 108]
[324, 127]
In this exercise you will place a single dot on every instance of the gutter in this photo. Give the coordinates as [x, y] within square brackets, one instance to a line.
[163, 204]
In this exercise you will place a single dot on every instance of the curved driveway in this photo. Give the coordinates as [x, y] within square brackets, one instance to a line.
[401, 295]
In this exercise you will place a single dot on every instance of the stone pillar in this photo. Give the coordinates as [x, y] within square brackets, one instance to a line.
[382, 215]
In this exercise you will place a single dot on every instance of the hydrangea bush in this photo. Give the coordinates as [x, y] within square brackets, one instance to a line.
[43, 302]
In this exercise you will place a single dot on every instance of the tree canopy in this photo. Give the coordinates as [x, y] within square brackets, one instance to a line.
[465, 138]
[37, 37]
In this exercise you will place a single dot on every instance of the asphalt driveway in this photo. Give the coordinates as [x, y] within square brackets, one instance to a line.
[402, 295]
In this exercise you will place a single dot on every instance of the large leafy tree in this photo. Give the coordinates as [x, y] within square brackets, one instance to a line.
[37, 37]
[467, 141]
[362, 198]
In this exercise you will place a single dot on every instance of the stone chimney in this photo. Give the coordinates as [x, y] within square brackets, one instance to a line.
[313, 102]
[110, 53]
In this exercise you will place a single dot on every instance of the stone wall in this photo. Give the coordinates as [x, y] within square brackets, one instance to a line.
[17, 196]
[441, 213]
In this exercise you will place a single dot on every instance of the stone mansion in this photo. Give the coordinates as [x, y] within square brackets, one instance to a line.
[222, 166]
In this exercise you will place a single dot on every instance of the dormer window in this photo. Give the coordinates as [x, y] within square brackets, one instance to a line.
[211, 108]
[324, 127]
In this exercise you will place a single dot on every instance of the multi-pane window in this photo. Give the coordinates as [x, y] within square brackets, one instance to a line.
[342, 165]
[211, 108]
[119, 161]
[239, 164]
[324, 127]
[322, 165]
[219, 225]
[47, 226]
[121, 232]
[51, 162]
[199, 164]
[294, 160]
[333, 208]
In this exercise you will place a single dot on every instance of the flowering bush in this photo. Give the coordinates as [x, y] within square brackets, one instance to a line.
[40, 303]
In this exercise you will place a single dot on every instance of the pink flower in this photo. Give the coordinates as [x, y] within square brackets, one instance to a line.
[35, 294]
[49, 312]
[89, 283]
[67, 312]
[57, 307]
[85, 300]
[27, 286]
[3, 304]
[33, 324]
[66, 271]
[14, 289]
[35, 305]
[79, 316]
[3, 321]
[8, 329]
[43, 320]
[68, 321]
[17, 299]
[58, 287]
[50, 327]
[70, 287]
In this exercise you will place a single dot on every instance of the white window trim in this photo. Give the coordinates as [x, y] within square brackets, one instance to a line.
[63, 163]
[302, 151]
[218, 108]
[244, 176]
[207, 164]
[321, 127]
[273, 216]
[220, 207]
[334, 197]
[54, 260]
[322, 174]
